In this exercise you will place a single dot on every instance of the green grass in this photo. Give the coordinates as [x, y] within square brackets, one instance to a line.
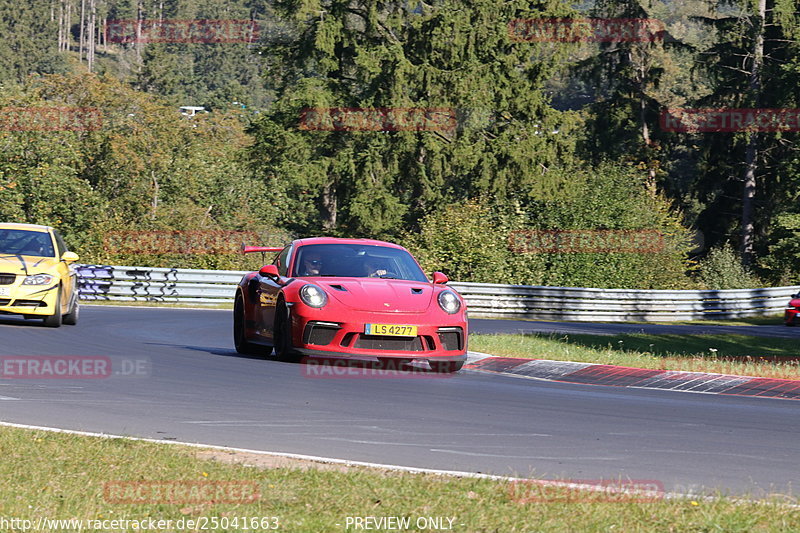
[62, 476]
[769, 320]
[725, 354]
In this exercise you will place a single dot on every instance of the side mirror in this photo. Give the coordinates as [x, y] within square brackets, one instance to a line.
[439, 278]
[269, 271]
[69, 257]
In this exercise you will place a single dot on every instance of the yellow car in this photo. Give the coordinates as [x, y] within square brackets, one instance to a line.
[36, 275]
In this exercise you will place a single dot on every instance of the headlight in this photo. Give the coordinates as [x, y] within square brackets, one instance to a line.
[449, 302]
[39, 279]
[313, 296]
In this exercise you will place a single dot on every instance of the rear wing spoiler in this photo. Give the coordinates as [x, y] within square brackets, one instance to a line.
[250, 249]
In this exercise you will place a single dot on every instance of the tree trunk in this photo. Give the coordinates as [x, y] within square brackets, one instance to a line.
[751, 153]
[154, 201]
[651, 171]
[92, 33]
[61, 26]
[330, 206]
[68, 27]
[139, 18]
[82, 31]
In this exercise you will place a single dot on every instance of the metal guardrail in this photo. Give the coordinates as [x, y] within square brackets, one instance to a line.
[172, 285]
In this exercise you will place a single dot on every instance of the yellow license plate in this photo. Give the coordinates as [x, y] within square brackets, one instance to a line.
[394, 330]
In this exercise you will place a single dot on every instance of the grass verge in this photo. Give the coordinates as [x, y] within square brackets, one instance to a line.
[724, 354]
[768, 320]
[61, 476]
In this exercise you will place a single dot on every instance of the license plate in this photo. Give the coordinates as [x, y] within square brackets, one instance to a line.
[5, 291]
[393, 330]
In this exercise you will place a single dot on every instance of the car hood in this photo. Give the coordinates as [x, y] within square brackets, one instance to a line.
[371, 294]
[26, 264]
[794, 302]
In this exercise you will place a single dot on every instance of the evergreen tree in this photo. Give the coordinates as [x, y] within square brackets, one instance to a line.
[354, 53]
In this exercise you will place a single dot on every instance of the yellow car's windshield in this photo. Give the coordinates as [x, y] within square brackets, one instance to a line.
[24, 242]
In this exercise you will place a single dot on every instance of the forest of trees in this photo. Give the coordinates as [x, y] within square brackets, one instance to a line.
[548, 133]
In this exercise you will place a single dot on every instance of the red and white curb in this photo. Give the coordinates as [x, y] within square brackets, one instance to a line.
[644, 378]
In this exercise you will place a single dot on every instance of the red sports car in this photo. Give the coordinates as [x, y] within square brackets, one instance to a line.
[356, 298]
[792, 313]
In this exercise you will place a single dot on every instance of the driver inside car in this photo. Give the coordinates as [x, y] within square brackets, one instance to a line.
[374, 268]
[312, 264]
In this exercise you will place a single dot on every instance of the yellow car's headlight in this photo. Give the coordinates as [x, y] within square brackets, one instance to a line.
[39, 279]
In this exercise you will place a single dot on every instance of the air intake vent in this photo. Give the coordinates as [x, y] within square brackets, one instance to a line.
[338, 288]
[451, 338]
[399, 344]
[320, 333]
[29, 303]
[416, 291]
[7, 279]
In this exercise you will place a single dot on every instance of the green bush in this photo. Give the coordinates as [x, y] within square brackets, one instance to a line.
[781, 264]
[469, 242]
[722, 269]
[480, 242]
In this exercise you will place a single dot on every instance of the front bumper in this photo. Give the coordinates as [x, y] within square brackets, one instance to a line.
[792, 317]
[439, 338]
[29, 300]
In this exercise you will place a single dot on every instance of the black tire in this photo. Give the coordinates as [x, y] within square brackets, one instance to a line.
[240, 341]
[71, 318]
[282, 333]
[54, 320]
[446, 367]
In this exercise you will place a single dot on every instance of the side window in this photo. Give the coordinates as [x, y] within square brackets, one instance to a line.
[61, 247]
[282, 262]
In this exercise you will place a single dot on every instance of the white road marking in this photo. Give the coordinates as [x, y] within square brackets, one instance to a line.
[386, 443]
[8, 398]
[544, 457]
[261, 423]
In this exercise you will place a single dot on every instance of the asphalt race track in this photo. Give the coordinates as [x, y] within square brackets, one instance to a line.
[194, 387]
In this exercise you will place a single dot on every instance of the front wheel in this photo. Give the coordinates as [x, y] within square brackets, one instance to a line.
[446, 367]
[71, 318]
[54, 320]
[240, 341]
[282, 333]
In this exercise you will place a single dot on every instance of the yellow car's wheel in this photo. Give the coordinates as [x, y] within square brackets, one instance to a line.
[54, 320]
[71, 318]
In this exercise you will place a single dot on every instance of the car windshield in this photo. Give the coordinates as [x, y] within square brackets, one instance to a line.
[356, 261]
[25, 242]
